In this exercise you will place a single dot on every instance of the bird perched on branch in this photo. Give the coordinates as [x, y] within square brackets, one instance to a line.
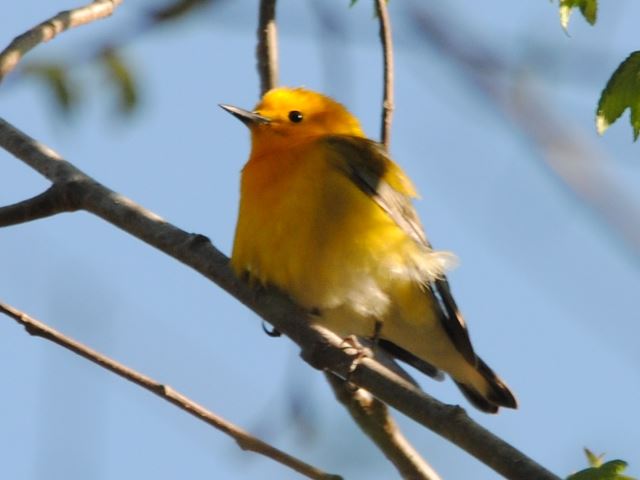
[326, 216]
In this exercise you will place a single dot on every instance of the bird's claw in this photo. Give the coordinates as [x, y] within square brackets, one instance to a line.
[352, 346]
[273, 332]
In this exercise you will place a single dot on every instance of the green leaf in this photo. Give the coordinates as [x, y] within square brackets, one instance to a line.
[588, 8]
[622, 92]
[123, 79]
[611, 470]
[594, 460]
[56, 79]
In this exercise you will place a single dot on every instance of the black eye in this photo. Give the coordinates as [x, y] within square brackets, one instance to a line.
[295, 116]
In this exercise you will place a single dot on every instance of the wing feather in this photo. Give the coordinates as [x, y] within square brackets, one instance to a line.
[367, 164]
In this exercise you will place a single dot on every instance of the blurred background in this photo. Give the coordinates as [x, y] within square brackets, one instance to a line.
[494, 122]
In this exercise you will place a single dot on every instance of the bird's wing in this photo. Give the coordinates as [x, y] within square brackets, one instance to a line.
[367, 164]
[452, 320]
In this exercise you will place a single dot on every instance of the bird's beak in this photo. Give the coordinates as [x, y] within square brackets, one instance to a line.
[245, 116]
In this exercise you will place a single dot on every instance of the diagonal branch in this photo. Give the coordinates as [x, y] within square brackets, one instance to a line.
[267, 49]
[58, 198]
[244, 440]
[48, 29]
[387, 56]
[373, 418]
[319, 347]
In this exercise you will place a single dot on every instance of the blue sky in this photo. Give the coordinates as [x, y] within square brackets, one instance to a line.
[547, 287]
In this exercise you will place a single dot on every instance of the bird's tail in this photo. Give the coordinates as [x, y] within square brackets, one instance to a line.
[497, 393]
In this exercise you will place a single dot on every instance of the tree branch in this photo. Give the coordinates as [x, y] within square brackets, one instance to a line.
[244, 440]
[319, 347]
[58, 198]
[387, 56]
[267, 49]
[373, 418]
[48, 29]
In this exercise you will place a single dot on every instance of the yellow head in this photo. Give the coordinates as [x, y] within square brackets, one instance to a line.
[285, 115]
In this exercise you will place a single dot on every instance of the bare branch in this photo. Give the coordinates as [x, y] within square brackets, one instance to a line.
[267, 49]
[319, 347]
[373, 418]
[387, 54]
[449, 421]
[48, 29]
[58, 198]
[244, 440]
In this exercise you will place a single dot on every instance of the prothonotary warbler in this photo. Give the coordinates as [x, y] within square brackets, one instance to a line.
[326, 216]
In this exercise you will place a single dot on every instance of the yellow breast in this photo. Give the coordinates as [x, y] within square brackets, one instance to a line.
[306, 228]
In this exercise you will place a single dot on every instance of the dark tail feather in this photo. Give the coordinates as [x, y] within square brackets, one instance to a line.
[476, 399]
[410, 359]
[499, 395]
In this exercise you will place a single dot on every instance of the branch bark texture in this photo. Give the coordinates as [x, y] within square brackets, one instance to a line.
[374, 419]
[244, 440]
[50, 28]
[387, 58]
[267, 48]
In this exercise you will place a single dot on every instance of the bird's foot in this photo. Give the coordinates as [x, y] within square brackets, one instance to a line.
[352, 346]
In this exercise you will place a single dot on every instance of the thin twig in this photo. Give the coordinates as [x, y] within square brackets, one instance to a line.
[374, 419]
[48, 29]
[319, 347]
[58, 198]
[267, 48]
[143, 25]
[574, 161]
[387, 55]
[244, 440]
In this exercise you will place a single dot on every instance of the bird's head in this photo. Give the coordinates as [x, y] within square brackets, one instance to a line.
[288, 114]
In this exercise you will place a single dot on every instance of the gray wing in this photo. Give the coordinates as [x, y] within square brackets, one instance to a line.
[367, 163]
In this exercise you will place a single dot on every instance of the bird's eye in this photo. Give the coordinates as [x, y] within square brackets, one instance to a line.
[295, 116]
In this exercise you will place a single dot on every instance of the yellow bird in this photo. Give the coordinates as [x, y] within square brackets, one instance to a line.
[326, 216]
